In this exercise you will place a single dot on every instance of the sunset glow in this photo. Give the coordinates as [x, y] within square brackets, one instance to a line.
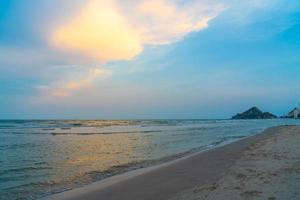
[148, 59]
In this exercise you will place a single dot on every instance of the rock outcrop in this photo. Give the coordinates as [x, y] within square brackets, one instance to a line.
[254, 113]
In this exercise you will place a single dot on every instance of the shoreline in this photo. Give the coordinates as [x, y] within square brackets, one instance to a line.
[154, 180]
[143, 166]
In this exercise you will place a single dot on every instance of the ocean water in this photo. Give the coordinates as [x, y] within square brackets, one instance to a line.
[39, 158]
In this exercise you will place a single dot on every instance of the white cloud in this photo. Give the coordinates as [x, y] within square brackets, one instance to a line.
[165, 21]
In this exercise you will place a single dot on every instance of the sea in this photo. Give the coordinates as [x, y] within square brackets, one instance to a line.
[43, 157]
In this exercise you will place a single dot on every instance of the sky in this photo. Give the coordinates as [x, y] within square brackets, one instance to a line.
[116, 59]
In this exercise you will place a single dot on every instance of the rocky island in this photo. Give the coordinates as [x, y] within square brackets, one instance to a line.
[254, 113]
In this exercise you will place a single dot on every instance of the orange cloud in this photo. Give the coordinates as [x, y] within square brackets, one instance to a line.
[68, 88]
[99, 31]
[113, 30]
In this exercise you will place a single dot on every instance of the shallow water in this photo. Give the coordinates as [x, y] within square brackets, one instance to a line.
[38, 158]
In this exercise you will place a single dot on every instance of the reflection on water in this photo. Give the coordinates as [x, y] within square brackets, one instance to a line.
[43, 157]
[89, 152]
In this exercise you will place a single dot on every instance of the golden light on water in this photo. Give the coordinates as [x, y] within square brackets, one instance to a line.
[98, 152]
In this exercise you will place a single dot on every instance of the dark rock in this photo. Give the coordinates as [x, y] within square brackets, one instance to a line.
[254, 113]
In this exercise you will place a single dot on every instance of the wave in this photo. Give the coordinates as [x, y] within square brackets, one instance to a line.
[227, 138]
[193, 129]
[55, 131]
[23, 169]
[45, 124]
[106, 133]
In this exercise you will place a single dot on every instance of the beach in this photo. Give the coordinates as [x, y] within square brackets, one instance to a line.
[45, 157]
[149, 99]
[263, 166]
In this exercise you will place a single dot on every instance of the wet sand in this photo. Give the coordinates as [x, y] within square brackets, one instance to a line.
[264, 166]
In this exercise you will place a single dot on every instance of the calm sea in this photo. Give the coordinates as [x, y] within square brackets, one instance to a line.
[39, 158]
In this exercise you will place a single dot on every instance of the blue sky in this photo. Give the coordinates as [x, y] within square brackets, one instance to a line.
[148, 59]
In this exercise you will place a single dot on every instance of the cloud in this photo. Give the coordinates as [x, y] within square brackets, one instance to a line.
[163, 21]
[99, 31]
[74, 84]
[113, 30]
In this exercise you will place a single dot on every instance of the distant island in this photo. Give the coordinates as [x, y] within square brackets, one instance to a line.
[254, 113]
[295, 113]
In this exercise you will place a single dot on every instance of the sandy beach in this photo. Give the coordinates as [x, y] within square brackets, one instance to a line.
[264, 166]
[268, 169]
